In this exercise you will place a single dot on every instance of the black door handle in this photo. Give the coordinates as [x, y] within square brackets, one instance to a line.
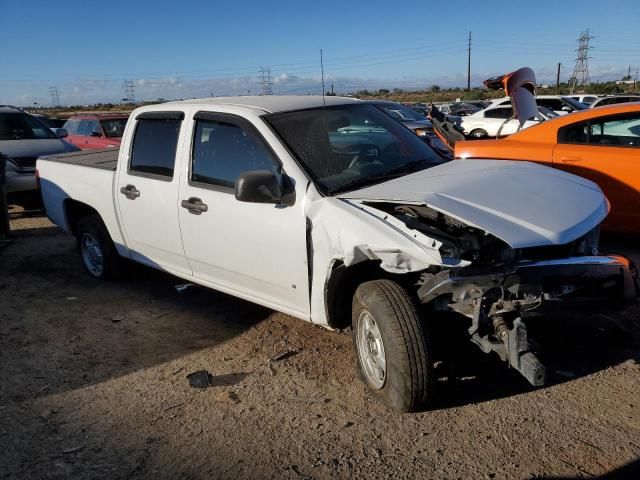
[130, 191]
[194, 205]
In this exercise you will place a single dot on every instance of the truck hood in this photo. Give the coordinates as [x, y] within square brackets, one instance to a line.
[35, 147]
[522, 203]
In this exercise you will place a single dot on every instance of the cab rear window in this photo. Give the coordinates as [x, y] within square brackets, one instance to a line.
[154, 146]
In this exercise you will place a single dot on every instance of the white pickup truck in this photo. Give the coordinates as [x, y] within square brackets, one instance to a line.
[331, 211]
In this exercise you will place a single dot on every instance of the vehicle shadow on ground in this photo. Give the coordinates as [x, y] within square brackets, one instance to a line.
[83, 331]
[630, 470]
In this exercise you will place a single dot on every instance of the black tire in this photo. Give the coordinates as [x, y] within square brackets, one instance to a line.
[92, 226]
[478, 134]
[408, 378]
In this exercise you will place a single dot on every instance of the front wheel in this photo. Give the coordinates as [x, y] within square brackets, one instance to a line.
[97, 252]
[478, 134]
[394, 356]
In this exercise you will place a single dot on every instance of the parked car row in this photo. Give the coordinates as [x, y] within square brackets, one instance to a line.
[499, 119]
[601, 144]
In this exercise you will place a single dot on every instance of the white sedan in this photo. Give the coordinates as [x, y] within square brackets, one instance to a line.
[500, 121]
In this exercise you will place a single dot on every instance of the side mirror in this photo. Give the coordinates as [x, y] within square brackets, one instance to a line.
[60, 132]
[96, 134]
[567, 108]
[262, 186]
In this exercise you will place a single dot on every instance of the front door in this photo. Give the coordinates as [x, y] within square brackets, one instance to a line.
[256, 251]
[147, 191]
[606, 151]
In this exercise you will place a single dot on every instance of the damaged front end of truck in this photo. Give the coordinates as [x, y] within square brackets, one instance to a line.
[501, 288]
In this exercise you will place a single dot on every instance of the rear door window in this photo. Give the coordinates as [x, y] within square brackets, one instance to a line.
[154, 146]
[616, 131]
[502, 112]
[623, 131]
[554, 104]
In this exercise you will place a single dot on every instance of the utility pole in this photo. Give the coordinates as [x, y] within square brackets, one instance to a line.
[558, 78]
[469, 63]
[55, 96]
[580, 75]
[265, 81]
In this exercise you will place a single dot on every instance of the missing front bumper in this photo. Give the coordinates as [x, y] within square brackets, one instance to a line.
[497, 302]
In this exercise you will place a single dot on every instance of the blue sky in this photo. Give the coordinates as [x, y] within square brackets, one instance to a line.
[183, 49]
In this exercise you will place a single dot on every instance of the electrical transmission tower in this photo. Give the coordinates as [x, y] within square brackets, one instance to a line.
[55, 96]
[580, 77]
[129, 91]
[265, 81]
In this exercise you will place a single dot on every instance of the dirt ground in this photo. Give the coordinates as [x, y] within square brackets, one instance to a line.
[93, 385]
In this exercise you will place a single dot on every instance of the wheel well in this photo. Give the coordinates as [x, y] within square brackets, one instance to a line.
[75, 211]
[343, 282]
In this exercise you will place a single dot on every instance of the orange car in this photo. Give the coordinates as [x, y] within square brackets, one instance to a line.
[601, 144]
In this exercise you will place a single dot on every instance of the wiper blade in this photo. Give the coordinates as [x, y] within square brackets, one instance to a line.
[408, 167]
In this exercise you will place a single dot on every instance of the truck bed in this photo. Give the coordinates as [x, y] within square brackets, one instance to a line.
[106, 159]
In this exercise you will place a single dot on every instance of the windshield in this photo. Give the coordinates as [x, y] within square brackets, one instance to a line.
[21, 126]
[400, 112]
[463, 107]
[114, 127]
[346, 147]
[547, 112]
[575, 103]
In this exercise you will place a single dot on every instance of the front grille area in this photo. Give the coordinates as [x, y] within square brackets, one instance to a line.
[585, 245]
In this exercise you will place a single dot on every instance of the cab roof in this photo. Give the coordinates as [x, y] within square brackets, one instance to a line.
[271, 103]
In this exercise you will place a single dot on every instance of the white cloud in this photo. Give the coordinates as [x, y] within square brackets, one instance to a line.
[89, 90]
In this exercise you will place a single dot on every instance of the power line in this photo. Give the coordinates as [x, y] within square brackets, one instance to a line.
[55, 96]
[265, 81]
[580, 75]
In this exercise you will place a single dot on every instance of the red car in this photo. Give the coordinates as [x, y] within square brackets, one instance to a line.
[96, 130]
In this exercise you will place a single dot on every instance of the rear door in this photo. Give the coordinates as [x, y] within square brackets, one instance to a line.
[606, 151]
[147, 190]
[256, 251]
[500, 121]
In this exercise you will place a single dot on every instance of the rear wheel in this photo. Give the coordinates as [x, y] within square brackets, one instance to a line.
[97, 252]
[392, 346]
[478, 134]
